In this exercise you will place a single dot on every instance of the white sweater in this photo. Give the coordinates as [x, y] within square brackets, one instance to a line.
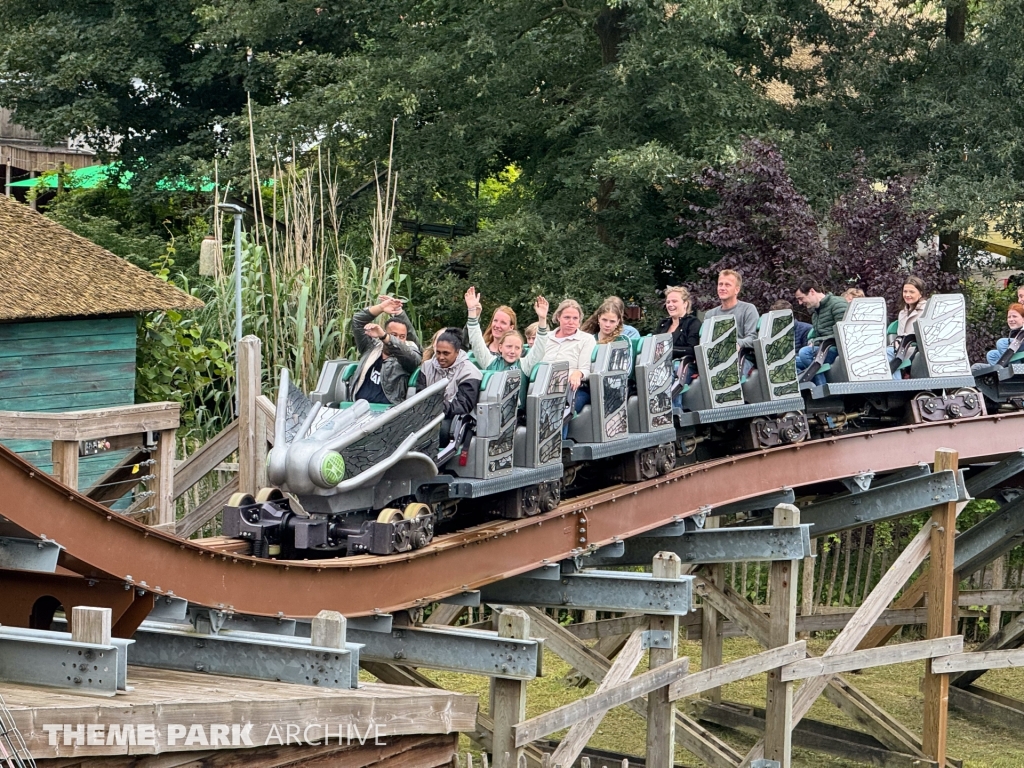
[575, 350]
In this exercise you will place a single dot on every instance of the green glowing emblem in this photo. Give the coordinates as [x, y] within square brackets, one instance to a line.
[332, 468]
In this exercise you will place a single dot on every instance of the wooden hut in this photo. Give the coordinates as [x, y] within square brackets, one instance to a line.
[68, 324]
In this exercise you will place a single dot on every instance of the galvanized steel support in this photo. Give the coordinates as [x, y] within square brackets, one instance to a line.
[883, 502]
[41, 657]
[28, 554]
[599, 590]
[717, 545]
[986, 540]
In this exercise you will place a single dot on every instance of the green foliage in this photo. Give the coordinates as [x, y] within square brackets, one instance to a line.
[179, 360]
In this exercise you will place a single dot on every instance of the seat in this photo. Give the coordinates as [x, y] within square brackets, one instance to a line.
[718, 374]
[332, 386]
[861, 338]
[774, 374]
[489, 450]
[941, 333]
[604, 419]
[539, 442]
[650, 408]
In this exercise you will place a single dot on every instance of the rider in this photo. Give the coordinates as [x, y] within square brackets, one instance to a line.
[607, 322]
[826, 311]
[730, 283]
[389, 355]
[510, 344]
[450, 362]
[914, 303]
[1015, 321]
[800, 328]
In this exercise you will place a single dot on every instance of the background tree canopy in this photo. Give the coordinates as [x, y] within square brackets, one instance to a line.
[566, 135]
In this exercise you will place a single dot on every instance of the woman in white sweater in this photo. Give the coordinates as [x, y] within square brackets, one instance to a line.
[573, 345]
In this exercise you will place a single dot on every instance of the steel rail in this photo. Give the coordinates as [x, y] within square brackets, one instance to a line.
[100, 543]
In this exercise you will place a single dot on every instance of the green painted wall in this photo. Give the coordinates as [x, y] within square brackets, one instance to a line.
[67, 365]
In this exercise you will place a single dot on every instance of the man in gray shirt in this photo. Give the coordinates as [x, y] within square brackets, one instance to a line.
[730, 283]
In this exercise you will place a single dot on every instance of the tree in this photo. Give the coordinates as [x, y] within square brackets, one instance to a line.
[764, 228]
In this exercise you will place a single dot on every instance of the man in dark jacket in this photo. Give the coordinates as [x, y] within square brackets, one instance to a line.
[826, 311]
[388, 356]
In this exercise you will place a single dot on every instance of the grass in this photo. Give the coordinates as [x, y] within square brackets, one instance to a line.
[895, 688]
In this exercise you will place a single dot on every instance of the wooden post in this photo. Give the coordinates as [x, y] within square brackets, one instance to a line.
[661, 719]
[778, 727]
[264, 426]
[807, 587]
[508, 702]
[163, 483]
[90, 625]
[64, 455]
[995, 612]
[248, 375]
[328, 630]
[940, 614]
[711, 623]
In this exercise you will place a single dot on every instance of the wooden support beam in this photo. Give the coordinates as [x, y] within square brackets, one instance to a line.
[445, 614]
[661, 724]
[875, 721]
[249, 364]
[988, 707]
[711, 622]
[1008, 637]
[807, 584]
[74, 426]
[579, 734]
[877, 657]
[941, 610]
[64, 456]
[599, 703]
[163, 480]
[733, 671]
[781, 632]
[621, 625]
[206, 511]
[508, 702]
[912, 597]
[863, 620]
[205, 460]
[690, 735]
[983, 660]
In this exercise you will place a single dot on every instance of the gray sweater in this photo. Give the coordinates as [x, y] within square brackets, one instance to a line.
[746, 321]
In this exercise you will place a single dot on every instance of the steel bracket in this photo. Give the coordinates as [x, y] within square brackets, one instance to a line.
[656, 638]
[768, 500]
[859, 482]
[470, 597]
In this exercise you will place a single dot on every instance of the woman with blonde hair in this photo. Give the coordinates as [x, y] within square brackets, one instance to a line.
[571, 343]
[503, 320]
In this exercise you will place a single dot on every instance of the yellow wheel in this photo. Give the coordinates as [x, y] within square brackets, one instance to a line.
[412, 511]
[421, 519]
[240, 500]
[390, 515]
[269, 494]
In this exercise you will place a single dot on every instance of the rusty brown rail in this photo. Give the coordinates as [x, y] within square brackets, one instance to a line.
[101, 544]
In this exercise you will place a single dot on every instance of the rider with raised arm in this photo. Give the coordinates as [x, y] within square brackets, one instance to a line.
[510, 345]
[388, 356]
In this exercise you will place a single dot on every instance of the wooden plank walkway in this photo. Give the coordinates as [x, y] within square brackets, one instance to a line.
[184, 709]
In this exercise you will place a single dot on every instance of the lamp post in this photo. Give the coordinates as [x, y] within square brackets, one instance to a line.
[236, 211]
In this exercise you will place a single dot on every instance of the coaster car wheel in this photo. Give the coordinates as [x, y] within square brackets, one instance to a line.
[401, 538]
[421, 521]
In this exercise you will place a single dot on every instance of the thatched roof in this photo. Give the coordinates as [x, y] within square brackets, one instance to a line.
[48, 271]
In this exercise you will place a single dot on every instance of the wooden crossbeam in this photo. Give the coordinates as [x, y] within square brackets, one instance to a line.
[1009, 637]
[599, 703]
[874, 657]
[74, 426]
[983, 660]
[579, 734]
[858, 626]
[205, 460]
[732, 671]
[690, 735]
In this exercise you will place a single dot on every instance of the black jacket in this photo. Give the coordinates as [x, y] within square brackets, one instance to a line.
[685, 337]
[465, 399]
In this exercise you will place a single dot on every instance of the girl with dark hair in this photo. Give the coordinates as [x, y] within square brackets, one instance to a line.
[607, 323]
[450, 362]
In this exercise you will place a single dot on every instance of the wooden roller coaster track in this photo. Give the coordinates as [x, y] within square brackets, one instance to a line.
[102, 547]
